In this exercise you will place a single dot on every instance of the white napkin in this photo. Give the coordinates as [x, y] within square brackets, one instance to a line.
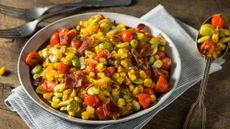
[192, 67]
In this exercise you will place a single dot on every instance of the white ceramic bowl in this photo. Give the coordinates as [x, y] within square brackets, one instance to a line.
[44, 34]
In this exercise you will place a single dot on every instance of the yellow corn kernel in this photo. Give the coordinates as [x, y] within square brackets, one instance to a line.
[122, 74]
[92, 74]
[135, 90]
[120, 69]
[99, 66]
[121, 26]
[2, 70]
[71, 113]
[148, 82]
[140, 35]
[97, 49]
[73, 94]
[127, 81]
[116, 75]
[49, 76]
[85, 115]
[124, 63]
[215, 38]
[55, 103]
[66, 92]
[64, 97]
[121, 53]
[55, 65]
[142, 74]
[120, 80]
[47, 96]
[131, 87]
[121, 102]
[90, 110]
[99, 34]
[131, 71]
[132, 77]
[115, 92]
[101, 74]
[59, 54]
[153, 98]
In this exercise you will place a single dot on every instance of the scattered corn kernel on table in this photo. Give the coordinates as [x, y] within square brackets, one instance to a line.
[172, 117]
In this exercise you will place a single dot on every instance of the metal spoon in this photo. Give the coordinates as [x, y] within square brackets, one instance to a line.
[196, 118]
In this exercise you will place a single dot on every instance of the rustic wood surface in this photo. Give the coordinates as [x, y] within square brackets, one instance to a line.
[192, 12]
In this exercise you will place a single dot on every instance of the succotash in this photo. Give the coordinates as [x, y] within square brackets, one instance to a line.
[101, 70]
[214, 37]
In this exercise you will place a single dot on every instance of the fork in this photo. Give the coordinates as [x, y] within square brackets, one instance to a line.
[34, 13]
[30, 27]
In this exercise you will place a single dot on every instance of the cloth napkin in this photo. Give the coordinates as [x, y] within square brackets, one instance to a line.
[192, 70]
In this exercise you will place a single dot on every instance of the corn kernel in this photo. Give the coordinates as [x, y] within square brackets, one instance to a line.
[140, 35]
[135, 90]
[153, 98]
[116, 75]
[85, 115]
[47, 96]
[92, 74]
[131, 87]
[120, 69]
[73, 93]
[101, 74]
[67, 91]
[121, 26]
[132, 77]
[71, 113]
[142, 74]
[123, 74]
[2, 70]
[120, 80]
[55, 103]
[121, 102]
[90, 110]
[148, 82]
[49, 76]
[226, 32]
[215, 38]
[59, 54]
[64, 97]
[124, 63]
[99, 66]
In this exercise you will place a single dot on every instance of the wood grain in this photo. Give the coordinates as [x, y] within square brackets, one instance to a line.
[172, 117]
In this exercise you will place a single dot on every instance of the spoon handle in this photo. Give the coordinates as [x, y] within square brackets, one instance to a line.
[196, 118]
[204, 81]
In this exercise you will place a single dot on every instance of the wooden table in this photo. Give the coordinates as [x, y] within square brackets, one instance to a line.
[192, 12]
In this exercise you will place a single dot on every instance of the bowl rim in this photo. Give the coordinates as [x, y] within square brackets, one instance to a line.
[103, 122]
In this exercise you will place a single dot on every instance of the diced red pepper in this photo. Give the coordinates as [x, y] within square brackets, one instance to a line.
[162, 85]
[144, 99]
[63, 68]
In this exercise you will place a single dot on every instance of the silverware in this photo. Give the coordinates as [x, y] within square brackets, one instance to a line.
[196, 118]
[34, 13]
[29, 28]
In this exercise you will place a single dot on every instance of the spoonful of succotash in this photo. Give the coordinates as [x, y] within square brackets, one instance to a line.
[212, 43]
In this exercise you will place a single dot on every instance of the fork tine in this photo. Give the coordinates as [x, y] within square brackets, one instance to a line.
[13, 14]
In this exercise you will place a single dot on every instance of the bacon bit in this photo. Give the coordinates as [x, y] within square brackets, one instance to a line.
[85, 45]
[72, 83]
[158, 72]
[110, 109]
[146, 50]
[140, 27]
[139, 60]
[63, 35]
[161, 54]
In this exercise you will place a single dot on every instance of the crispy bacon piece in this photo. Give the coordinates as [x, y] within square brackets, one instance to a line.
[158, 72]
[110, 109]
[85, 45]
[139, 60]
